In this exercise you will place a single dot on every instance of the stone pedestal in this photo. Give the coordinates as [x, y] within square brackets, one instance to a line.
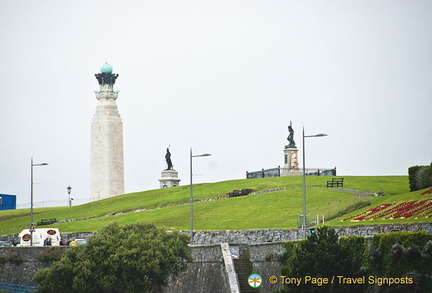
[169, 178]
[290, 166]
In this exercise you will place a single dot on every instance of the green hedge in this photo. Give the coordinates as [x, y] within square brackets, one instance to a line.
[420, 177]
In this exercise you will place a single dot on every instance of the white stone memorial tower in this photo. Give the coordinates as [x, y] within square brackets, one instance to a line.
[106, 166]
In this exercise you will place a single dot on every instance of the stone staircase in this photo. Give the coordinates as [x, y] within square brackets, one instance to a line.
[238, 267]
[243, 270]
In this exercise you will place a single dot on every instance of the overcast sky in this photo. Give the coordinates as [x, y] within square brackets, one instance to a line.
[222, 77]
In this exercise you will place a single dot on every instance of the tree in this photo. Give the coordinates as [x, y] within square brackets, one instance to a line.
[132, 258]
[322, 255]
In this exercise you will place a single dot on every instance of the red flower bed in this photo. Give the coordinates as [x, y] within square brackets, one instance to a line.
[419, 209]
[363, 216]
[429, 191]
[411, 209]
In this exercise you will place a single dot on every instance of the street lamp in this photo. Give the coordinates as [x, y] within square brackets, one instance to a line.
[304, 179]
[191, 192]
[69, 190]
[31, 200]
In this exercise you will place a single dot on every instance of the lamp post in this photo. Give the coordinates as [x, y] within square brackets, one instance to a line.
[69, 190]
[191, 192]
[304, 179]
[31, 200]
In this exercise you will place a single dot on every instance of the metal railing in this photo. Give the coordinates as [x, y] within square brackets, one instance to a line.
[54, 203]
[278, 172]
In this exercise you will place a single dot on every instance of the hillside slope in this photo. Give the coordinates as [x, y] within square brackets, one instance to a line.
[273, 203]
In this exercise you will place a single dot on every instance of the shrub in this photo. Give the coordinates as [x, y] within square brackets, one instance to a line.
[386, 255]
[132, 258]
[323, 255]
[427, 250]
[403, 254]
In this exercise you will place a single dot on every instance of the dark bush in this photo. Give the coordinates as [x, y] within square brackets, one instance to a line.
[134, 258]
[420, 177]
[323, 254]
[401, 254]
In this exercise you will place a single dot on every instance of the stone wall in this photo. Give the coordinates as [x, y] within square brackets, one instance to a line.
[371, 230]
[266, 261]
[21, 273]
[206, 273]
[256, 236]
[245, 236]
[282, 235]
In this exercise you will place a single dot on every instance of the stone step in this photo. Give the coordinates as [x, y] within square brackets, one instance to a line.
[243, 270]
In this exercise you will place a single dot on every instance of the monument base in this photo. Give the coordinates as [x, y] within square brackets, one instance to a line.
[169, 178]
[290, 162]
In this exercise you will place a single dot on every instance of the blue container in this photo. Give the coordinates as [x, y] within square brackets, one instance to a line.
[7, 202]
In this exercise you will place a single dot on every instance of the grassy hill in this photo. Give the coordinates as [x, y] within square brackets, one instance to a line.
[275, 203]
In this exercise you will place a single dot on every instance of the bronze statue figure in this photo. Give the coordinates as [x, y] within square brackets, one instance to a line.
[168, 160]
[290, 138]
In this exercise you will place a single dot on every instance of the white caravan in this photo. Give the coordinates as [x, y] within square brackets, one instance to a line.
[39, 236]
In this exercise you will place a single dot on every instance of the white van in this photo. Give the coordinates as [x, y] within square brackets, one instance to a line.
[39, 236]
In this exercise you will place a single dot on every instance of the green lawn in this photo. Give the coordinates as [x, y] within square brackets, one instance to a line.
[169, 207]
